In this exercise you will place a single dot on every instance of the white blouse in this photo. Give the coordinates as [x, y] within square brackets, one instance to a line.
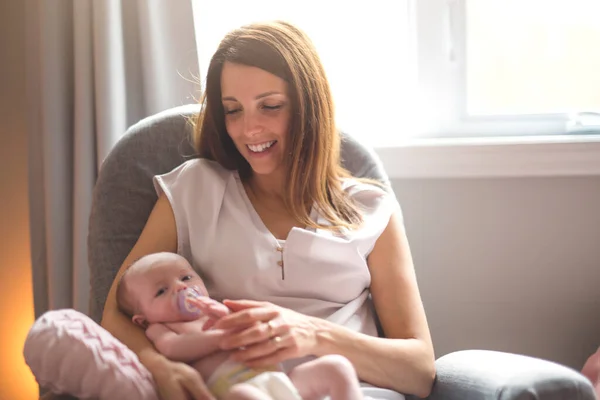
[312, 271]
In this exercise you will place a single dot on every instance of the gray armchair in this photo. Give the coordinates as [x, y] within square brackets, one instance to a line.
[124, 197]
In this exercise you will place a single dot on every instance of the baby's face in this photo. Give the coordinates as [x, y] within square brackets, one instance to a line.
[154, 287]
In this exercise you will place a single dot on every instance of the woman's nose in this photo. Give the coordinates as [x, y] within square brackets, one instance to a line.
[252, 125]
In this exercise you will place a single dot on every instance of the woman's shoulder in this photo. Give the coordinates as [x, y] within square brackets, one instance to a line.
[203, 166]
[376, 203]
[368, 194]
[199, 167]
[193, 178]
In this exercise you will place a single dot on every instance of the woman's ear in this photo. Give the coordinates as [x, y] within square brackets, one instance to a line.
[139, 320]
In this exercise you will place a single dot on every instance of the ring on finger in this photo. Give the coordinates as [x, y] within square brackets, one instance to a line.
[277, 341]
[271, 325]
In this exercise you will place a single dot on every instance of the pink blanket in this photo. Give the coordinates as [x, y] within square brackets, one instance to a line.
[67, 352]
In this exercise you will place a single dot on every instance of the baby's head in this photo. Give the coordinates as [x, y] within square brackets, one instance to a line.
[147, 291]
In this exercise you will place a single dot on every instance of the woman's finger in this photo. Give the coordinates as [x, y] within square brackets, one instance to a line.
[256, 333]
[246, 318]
[238, 305]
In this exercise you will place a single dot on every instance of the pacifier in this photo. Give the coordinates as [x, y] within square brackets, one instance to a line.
[185, 301]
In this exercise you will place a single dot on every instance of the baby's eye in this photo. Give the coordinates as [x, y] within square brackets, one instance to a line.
[160, 292]
[186, 278]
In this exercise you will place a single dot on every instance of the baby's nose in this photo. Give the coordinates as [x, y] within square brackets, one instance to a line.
[179, 286]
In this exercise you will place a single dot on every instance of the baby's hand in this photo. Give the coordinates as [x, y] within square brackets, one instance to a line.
[211, 309]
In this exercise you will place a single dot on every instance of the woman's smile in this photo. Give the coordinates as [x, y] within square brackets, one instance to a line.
[261, 149]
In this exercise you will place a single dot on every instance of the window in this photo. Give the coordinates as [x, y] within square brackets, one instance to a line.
[538, 63]
[510, 67]
[405, 68]
[365, 47]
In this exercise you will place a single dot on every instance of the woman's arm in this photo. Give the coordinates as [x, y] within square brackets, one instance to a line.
[174, 380]
[405, 360]
[159, 234]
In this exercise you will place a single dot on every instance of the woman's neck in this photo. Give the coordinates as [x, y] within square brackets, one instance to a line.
[267, 186]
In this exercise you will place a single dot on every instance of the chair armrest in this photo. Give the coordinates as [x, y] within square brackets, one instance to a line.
[491, 375]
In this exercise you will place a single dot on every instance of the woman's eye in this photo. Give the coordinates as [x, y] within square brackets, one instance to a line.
[186, 278]
[160, 292]
[232, 112]
[272, 108]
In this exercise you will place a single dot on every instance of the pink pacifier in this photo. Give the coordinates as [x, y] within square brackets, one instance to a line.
[185, 301]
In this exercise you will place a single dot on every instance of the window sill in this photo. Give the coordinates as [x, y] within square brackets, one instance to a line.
[526, 156]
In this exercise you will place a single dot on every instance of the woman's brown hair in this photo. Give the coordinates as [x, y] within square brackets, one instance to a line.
[313, 169]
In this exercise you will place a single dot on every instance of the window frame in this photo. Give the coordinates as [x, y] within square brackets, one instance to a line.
[460, 146]
[441, 37]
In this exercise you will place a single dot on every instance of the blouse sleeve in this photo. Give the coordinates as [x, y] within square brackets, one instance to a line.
[173, 186]
[195, 191]
[377, 207]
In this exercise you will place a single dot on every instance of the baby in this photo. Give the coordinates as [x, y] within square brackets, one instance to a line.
[162, 293]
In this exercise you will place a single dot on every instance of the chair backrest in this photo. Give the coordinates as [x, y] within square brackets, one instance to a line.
[124, 194]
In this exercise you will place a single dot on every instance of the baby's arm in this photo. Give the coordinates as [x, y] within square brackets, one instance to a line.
[186, 347]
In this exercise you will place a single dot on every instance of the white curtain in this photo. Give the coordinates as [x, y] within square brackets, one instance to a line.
[95, 67]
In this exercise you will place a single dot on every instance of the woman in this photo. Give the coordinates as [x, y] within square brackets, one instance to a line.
[268, 215]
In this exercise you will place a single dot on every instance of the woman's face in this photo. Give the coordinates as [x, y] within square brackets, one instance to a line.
[257, 115]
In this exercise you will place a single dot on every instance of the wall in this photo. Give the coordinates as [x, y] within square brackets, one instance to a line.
[508, 264]
[16, 302]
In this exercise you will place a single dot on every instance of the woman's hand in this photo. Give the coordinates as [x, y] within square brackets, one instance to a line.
[263, 334]
[178, 381]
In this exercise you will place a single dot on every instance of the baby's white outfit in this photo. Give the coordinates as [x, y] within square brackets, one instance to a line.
[274, 384]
